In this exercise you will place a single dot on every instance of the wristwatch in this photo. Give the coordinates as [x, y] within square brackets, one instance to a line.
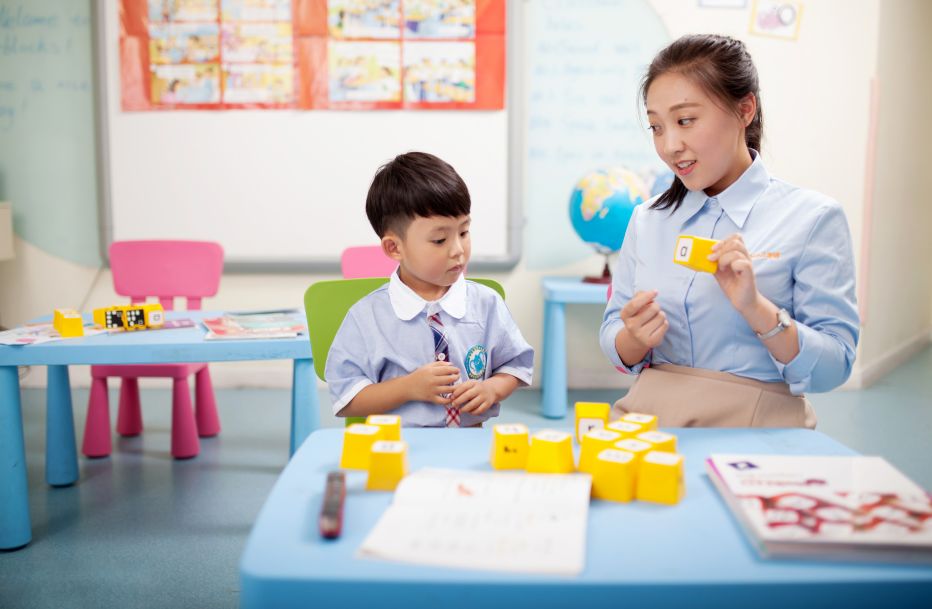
[783, 322]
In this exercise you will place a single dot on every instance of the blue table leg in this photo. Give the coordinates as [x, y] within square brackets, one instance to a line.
[553, 378]
[305, 409]
[15, 527]
[61, 454]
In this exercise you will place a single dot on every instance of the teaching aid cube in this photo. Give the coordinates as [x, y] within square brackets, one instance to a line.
[693, 253]
[659, 440]
[68, 323]
[638, 448]
[551, 452]
[647, 421]
[389, 425]
[357, 444]
[509, 446]
[593, 443]
[614, 475]
[660, 478]
[589, 416]
[625, 428]
[388, 464]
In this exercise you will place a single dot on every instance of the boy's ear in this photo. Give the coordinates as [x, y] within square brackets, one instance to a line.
[391, 246]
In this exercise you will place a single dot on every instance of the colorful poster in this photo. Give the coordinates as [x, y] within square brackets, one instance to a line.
[256, 10]
[182, 10]
[438, 72]
[258, 84]
[365, 71]
[364, 18]
[183, 42]
[440, 18]
[186, 84]
[257, 43]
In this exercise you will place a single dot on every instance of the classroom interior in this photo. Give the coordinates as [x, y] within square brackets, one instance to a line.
[844, 100]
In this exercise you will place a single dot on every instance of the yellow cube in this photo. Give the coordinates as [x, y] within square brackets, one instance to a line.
[551, 452]
[638, 448]
[614, 475]
[659, 440]
[590, 415]
[68, 323]
[647, 421]
[660, 478]
[693, 253]
[509, 446]
[389, 425]
[388, 464]
[357, 443]
[625, 428]
[593, 443]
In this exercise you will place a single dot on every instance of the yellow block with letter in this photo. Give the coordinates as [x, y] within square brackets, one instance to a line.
[389, 425]
[627, 429]
[358, 439]
[68, 323]
[693, 253]
[659, 440]
[660, 479]
[130, 317]
[593, 443]
[589, 416]
[551, 452]
[388, 464]
[614, 475]
[509, 446]
[638, 448]
[647, 421]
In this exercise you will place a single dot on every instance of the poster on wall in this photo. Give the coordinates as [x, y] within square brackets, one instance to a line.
[312, 54]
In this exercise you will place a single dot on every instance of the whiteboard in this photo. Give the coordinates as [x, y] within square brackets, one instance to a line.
[285, 190]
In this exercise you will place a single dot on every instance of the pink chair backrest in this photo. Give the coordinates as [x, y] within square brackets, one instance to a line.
[366, 261]
[166, 269]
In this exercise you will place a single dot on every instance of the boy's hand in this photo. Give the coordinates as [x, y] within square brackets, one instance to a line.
[431, 382]
[474, 397]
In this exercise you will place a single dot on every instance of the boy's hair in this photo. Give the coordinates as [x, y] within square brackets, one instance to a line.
[411, 185]
[723, 67]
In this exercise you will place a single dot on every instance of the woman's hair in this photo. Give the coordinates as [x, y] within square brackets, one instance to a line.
[724, 69]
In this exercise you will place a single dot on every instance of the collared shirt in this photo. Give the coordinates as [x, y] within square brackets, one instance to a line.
[386, 335]
[803, 262]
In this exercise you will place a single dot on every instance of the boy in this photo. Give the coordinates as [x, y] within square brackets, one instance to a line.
[430, 346]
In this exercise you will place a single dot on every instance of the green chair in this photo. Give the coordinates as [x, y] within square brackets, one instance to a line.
[326, 304]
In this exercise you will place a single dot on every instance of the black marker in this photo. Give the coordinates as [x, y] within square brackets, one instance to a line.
[331, 511]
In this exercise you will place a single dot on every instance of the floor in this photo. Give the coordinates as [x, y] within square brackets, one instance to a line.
[143, 530]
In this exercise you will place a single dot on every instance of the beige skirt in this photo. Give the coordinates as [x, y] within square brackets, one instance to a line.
[692, 397]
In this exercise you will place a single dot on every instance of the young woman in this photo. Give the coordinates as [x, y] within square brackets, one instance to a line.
[742, 346]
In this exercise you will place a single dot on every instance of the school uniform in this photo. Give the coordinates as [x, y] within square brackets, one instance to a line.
[711, 369]
[386, 335]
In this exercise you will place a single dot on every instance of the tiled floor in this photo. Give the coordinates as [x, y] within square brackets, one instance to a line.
[143, 530]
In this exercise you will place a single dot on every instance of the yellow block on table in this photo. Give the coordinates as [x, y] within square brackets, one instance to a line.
[614, 475]
[660, 440]
[638, 448]
[647, 421]
[660, 478]
[693, 253]
[593, 443]
[388, 464]
[510, 446]
[589, 416]
[389, 425]
[358, 439]
[625, 428]
[551, 452]
[68, 323]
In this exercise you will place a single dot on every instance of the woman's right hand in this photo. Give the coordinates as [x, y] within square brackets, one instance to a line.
[644, 321]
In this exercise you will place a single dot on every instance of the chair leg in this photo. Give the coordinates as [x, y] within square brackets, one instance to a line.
[97, 425]
[129, 417]
[184, 428]
[205, 405]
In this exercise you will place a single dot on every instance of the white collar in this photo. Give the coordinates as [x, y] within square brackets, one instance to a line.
[407, 304]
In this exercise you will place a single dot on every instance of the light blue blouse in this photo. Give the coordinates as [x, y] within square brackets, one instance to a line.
[804, 263]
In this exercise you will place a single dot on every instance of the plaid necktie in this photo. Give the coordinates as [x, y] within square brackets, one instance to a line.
[442, 353]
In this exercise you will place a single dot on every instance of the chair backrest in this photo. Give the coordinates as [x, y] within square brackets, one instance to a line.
[326, 304]
[366, 261]
[166, 269]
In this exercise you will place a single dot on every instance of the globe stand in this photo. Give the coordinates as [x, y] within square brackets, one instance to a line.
[605, 278]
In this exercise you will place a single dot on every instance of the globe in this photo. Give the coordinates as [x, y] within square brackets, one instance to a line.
[661, 183]
[601, 206]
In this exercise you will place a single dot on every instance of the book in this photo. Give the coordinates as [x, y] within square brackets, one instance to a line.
[850, 508]
[254, 325]
[530, 523]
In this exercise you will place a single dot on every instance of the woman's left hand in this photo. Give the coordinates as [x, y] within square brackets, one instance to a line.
[735, 273]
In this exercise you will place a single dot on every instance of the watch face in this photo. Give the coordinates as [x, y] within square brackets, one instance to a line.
[784, 318]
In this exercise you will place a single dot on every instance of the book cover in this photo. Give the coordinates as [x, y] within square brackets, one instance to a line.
[253, 326]
[842, 507]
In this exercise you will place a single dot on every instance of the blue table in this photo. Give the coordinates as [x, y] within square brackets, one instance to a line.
[558, 291]
[638, 555]
[162, 346]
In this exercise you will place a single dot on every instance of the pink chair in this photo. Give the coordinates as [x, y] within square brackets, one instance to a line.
[366, 261]
[164, 269]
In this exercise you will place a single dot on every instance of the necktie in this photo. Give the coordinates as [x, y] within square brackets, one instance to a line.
[442, 353]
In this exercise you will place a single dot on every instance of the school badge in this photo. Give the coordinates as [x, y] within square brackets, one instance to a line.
[476, 359]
